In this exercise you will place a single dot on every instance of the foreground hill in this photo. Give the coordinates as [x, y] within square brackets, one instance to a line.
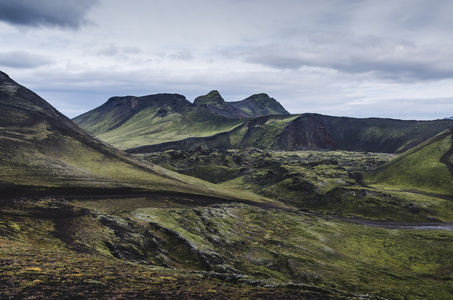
[42, 150]
[169, 121]
[427, 167]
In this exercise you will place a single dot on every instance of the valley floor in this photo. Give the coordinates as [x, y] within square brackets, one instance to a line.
[325, 236]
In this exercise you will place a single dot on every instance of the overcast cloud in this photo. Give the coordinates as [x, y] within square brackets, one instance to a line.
[67, 13]
[360, 58]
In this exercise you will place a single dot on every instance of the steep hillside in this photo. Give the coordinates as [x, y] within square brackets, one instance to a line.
[42, 151]
[427, 167]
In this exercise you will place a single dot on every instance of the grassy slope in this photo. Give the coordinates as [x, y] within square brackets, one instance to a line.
[145, 129]
[418, 169]
[40, 148]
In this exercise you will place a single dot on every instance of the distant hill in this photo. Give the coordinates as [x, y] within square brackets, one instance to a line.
[42, 151]
[427, 167]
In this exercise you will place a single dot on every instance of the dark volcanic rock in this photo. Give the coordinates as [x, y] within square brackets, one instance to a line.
[214, 103]
[319, 132]
[260, 105]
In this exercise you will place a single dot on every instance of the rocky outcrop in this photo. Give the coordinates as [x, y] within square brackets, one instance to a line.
[260, 105]
[214, 103]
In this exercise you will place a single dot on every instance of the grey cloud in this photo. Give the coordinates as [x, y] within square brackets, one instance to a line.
[184, 55]
[123, 52]
[347, 53]
[23, 60]
[403, 108]
[109, 51]
[131, 50]
[52, 13]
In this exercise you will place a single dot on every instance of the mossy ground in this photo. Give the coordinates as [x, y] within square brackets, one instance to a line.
[51, 248]
[325, 181]
[54, 250]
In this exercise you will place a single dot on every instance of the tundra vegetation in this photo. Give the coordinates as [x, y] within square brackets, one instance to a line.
[80, 219]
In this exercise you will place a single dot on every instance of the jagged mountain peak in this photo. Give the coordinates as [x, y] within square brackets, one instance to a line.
[4, 76]
[212, 98]
[260, 105]
[214, 103]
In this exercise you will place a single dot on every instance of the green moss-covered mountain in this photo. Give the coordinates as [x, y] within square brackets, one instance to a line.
[169, 121]
[42, 150]
[427, 167]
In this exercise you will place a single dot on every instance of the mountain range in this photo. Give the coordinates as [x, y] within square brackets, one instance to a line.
[169, 121]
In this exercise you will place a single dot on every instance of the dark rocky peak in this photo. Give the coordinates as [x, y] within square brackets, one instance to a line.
[260, 105]
[21, 98]
[173, 102]
[212, 98]
[214, 103]
[119, 99]
[7, 85]
[4, 77]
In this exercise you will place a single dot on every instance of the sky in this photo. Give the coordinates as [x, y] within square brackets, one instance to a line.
[355, 58]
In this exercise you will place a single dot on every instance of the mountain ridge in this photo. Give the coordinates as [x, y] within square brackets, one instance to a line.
[253, 106]
[44, 152]
[258, 121]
